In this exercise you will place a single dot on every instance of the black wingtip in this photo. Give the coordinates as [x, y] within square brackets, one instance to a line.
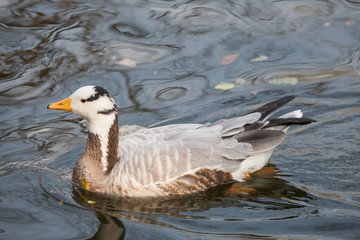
[272, 106]
[289, 121]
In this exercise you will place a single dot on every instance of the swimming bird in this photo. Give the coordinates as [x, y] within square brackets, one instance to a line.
[174, 159]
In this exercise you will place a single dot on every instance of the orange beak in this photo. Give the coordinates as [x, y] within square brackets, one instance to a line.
[61, 105]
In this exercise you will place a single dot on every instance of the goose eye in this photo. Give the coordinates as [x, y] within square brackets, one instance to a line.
[82, 100]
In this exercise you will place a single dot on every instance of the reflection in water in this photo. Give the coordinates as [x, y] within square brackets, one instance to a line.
[110, 228]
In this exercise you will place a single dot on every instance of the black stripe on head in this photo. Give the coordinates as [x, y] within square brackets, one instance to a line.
[99, 92]
[109, 111]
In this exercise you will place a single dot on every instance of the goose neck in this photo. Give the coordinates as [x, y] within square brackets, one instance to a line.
[106, 130]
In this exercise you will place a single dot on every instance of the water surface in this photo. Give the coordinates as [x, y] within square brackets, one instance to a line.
[162, 62]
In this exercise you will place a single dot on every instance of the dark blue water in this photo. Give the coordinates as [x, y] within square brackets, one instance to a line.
[163, 63]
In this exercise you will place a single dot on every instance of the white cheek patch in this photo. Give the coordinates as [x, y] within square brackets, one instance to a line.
[103, 103]
[91, 109]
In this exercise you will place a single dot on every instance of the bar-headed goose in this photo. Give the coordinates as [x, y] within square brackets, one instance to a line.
[173, 159]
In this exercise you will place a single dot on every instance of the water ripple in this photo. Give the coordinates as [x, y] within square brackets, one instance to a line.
[50, 48]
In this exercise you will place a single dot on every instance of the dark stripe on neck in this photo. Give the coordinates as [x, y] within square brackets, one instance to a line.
[93, 149]
[113, 144]
[99, 92]
[108, 111]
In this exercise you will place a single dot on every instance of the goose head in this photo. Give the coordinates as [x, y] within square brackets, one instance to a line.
[88, 102]
[94, 103]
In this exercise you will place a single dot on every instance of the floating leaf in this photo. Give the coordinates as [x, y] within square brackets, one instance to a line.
[349, 23]
[284, 81]
[61, 202]
[225, 86]
[86, 184]
[240, 80]
[254, 93]
[37, 131]
[327, 24]
[260, 58]
[91, 202]
[127, 62]
[229, 59]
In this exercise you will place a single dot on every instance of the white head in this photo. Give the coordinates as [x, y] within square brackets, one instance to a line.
[93, 103]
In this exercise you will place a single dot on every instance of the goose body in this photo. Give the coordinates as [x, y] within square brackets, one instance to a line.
[174, 159]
